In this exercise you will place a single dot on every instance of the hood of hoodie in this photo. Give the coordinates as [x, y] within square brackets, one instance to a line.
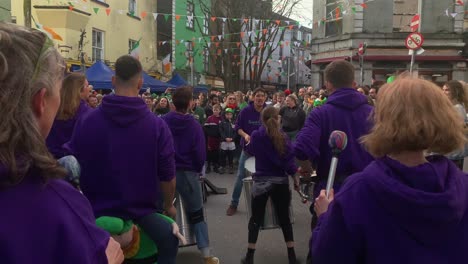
[347, 98]
[427, 201]
[123, 110]
[178, 123]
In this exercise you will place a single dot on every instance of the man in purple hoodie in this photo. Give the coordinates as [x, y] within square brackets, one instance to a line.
[126, 155]
[247, 122]
[190, 155]
[346, 110]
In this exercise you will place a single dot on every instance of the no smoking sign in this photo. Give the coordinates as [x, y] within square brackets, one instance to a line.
[414, 41]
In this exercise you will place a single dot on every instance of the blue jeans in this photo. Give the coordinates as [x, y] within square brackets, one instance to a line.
[236, 193]
[188, 187]
[160, 231]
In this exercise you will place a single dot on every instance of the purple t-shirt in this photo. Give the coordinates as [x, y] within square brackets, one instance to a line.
[51, 223]
[248, 120]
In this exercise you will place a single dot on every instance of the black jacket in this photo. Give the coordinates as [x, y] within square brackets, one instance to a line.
[226, 129]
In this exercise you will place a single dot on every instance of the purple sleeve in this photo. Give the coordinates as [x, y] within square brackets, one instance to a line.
[239, 121]
[199, 148]
[70, 148]
[166, 152]
[252, 146]
[331, 235]
[291, 167]
[308, 140]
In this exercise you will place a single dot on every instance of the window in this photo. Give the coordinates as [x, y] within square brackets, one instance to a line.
[190, 11]
[309, 38]
[299, 35]
[333, 26]
[206, 24]
[132, 7]
[131, 44]
[206, 59]
[98, 45]
[189, 52]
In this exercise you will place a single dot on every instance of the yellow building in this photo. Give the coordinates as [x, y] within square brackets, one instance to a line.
[112, 28]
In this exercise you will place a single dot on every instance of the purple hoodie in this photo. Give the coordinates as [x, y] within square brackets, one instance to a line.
[189, 141]
[48, 223]
[62, 131]
[125, 151]
[346, 110]
[268, 162]
[248, 120]
[390, 213]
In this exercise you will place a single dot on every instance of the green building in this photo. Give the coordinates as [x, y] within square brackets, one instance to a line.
[5, 10]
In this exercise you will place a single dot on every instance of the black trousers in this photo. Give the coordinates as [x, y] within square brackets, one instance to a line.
[226, 154]
[281, 198]
[213, 158]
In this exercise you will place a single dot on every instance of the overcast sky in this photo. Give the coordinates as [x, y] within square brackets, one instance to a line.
[304, 12]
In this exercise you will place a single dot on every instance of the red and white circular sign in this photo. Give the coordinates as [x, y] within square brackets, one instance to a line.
[415, 23]
[414, 41]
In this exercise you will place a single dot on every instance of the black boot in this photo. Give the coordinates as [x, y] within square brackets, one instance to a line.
[208, 169]
[249, 257]
[231, 169]
[292, 256]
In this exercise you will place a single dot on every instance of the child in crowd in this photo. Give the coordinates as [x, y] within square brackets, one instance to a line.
[214, 138]
[228, 134]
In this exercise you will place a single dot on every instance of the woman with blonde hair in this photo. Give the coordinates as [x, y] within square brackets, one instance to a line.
[44, 219]
[274, 161]
[405, 207]
[73, 106]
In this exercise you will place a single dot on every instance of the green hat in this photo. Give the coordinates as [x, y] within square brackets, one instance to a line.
[229, 110]
[391, 79]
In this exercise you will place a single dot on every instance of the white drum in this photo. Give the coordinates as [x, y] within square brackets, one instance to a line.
[271, 219]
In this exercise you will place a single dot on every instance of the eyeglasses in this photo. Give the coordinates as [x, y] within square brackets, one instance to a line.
[232, 98]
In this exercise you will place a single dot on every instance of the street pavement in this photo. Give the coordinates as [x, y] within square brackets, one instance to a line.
[228, 234]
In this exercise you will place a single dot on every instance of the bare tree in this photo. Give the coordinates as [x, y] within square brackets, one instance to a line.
[260, 17]
[27, 12]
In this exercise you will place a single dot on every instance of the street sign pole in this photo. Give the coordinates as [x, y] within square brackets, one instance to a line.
[413, 58]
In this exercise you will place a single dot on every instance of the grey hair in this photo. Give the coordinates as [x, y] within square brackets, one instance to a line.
[28, 63]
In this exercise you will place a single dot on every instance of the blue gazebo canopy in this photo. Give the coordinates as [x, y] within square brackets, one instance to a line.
[177, 80]
[155, 85]
[99, 75]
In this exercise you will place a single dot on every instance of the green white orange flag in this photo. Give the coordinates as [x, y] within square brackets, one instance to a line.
[135, 52]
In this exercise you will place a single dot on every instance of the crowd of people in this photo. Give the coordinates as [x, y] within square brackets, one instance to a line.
[397, 197]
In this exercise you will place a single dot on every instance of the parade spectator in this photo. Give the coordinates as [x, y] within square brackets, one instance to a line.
[197, 111]
[292, 117]
[93, 102]
[247, 122]
[417, 203]
[228, 137]
[310, 89]
[99, 98]
[213, 100]
[31, 185]
[232, 103]
[343, 105]
[300, 96]
[162, 107]
[190, 154]
[274, 161]
[126, 155]
[363, 90]
[72, 108]
[241, 103]
[456, 93]
[211, 127]
[280, 96]
[202, 100]
[373, 94]
[308, 103]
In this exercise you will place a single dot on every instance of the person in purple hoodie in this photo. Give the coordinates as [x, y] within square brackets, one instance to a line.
[44, 219]
[127, 159]
[73, 106]
[190, 155]
[405, 207]
[247, 122]
[274, 161]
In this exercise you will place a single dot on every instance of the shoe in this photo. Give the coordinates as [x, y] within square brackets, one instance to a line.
[231, 170]
[211, 260]
[245, 260]
[221, 170]
[232, 210]
[208, 170]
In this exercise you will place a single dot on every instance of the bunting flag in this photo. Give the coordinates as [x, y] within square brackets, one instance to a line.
[177, 17]
[213, 19]
[96, 10]
[155, 15]
[143, 14]
[363, 5]
[108, 11]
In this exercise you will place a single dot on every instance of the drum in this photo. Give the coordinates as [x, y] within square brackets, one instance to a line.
[271, 219]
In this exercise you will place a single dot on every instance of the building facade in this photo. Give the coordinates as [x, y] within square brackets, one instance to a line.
[384, 26]
[112, 28]
[5, 10]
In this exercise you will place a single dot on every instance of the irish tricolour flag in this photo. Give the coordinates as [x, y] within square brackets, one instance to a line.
[135, 52]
